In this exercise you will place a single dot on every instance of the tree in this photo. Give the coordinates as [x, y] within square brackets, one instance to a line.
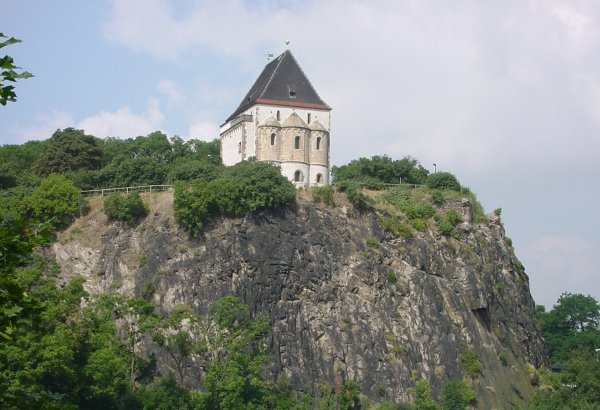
[456, 395]
[9, 72]
[125, 207]
[70, 150]
[17, 241]
[245, 187]
[443, 180]
[238, 346]
[573, 323]
[57, 199]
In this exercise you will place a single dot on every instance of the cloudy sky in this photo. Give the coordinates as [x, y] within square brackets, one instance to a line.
[504, 94]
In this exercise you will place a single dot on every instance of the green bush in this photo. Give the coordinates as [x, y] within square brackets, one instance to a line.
[127, 208]
[323, 194]
[471, 363]
[419, 224]
[391, 277]
[394, 226]
[372, 243]
[453, 217]
[437, 197]
[360, 201]
[244, 187]
[56, 199]
[456, 395]
[443, 180]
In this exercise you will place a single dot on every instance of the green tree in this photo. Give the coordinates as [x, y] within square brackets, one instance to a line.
[233, 378]
[125, 207]
[70, 150]
[573, 323]
[178, 334]
[443, 180]
[244, 187]
[378, 170]
[57, 199]
[9, 72]
[456, 395]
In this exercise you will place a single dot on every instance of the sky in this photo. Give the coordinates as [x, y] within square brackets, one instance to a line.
[504, 94]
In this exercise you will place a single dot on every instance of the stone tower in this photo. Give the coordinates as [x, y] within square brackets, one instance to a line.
[281, 120]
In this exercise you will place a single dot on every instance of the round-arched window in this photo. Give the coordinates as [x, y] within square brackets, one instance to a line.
[273, 139]
[298, 177]
[319, 143]
[319, 178]
[297, 142]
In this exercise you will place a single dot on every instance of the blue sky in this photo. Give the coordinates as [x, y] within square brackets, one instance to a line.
[506, 95]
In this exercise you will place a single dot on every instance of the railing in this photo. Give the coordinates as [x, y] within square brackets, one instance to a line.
[128, 189]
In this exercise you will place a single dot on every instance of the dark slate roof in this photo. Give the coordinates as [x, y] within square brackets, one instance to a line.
[282, 82]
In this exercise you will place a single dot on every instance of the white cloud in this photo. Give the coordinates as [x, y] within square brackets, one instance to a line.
[563, 264]
[204, 130]
[43, 127]
[124, 122]
[172, 91]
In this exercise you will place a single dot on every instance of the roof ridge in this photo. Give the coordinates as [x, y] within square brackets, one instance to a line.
[280, 58]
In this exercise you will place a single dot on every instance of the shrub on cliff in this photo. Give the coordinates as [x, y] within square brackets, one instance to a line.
[56, 199]
[127, 208]
[443, 180]
[244, 187]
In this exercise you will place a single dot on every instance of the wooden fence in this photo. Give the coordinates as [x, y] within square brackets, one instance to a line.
[128, 189]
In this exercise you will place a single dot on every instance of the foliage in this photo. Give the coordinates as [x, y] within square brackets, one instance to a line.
[233, 379]
[323, 194]
[471, 363]
[394, 226]
[572, 324]
[358, 199]
[376, 171]
[443, 180]
[372, 243]
[447, 223]
[125, 207]
[437, 197]
[456, 395]
[422, 397]
[57, 200]
[69, 150]
[244, 187]
[9, 72]
[17, 241]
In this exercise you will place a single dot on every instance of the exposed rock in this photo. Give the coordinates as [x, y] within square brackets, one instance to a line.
[383, 316]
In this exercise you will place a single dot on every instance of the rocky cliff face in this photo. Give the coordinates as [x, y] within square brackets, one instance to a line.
[346, 300]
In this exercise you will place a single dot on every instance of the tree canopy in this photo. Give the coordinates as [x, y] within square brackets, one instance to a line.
[70, 150]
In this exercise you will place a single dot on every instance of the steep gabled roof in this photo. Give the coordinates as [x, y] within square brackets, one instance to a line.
[282, 82]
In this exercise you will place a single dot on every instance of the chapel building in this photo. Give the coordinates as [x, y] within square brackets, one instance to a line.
[281, 120]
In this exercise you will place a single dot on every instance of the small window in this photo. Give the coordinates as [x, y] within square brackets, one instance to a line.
[239, 147]
[272, 139]
[278, 116]
[292, 91]
[308, 117]
[297, 176]
[297, 142]
[319, 178]
[319, 143]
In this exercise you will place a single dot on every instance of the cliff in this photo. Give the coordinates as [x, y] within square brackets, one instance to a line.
[346, 299]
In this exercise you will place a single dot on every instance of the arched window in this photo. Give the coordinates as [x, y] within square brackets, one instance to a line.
[319, 178]
[319, 143]
[239, 147]
[297, 142]
[272, 139]
[298, 177]
[278, 116]
[308, 118]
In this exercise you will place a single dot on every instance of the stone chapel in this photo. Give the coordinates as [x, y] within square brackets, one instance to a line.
[281, 120]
